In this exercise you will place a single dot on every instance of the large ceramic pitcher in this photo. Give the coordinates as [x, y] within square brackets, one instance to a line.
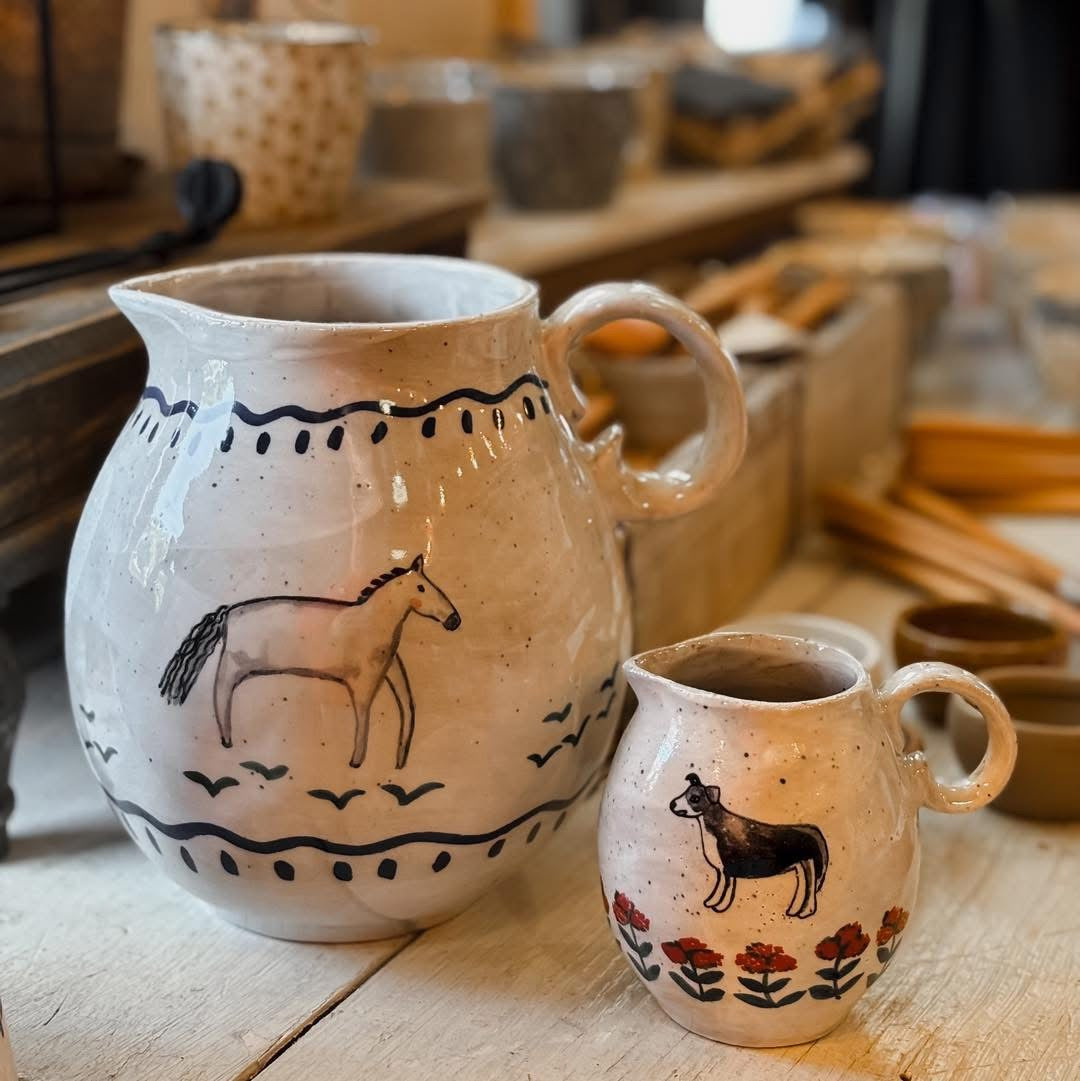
[345, 612]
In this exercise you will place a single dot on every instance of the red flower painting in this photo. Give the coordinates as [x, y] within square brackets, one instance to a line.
[621, 908]
[698, 965]
[849, 941]
[844, 948]
[627, 914]
[765, 960]
[693, 951]
[761, 958]
[892, 923]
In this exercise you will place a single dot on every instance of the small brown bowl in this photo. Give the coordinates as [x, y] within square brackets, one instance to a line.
[1045, 708]
[973, 636]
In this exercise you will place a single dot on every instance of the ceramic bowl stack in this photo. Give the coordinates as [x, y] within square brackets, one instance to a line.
[283, 102]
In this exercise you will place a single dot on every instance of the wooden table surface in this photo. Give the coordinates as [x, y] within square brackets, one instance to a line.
[110, 971]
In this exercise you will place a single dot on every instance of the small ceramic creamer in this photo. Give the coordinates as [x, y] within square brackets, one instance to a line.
[758, 837]
[345, 609]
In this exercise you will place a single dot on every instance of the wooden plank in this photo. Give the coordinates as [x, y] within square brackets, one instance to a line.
[691, 573]
[529, 984]
[679, 215]
[399, 215]
[110, 971]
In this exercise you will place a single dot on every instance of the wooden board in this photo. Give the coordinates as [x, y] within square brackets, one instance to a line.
[853, 385]
[116, 973]
[71, 366]
[691, 214]
[109, 970]
[690, 574]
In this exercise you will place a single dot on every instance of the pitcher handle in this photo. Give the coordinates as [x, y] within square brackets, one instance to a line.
[633, 495]
[991, 775]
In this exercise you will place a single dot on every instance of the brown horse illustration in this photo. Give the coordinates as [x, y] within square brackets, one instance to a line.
[354, 643]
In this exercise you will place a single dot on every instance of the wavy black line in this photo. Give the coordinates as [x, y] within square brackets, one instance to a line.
[89, 714]
[559, 715]
[187, 830]
[610, 681]
[607, 709]
[320, 416]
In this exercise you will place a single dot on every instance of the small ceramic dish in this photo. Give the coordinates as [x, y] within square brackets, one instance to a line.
[1045, 708]
[973, 636]
[861, 644]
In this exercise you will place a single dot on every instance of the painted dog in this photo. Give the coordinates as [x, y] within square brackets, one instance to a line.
[739, 847]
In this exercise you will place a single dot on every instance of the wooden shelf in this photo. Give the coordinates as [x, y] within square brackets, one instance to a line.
[675, 215]
[71, 365]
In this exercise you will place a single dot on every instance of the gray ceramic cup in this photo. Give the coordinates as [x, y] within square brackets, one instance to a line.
[431, 119]
[561, 134]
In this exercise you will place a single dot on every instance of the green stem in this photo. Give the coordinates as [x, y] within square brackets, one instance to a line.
[836, 976]
[697, 979]
[765, 988]
[636, 961]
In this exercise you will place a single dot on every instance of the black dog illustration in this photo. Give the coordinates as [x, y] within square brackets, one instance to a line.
[739, 847]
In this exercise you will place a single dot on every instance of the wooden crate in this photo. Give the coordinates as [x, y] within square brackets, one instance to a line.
[813, 420]
[852, 384]
[688, 575]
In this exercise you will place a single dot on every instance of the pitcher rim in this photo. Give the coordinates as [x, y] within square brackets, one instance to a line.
[861, 683]
[139, 292]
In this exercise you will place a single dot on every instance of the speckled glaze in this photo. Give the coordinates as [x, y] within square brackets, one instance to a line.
[817, 779]
[347, 467]
[284, 102]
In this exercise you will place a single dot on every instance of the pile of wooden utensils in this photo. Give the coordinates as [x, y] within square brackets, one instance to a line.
[763, 309]
[934, 541]
[996, 468]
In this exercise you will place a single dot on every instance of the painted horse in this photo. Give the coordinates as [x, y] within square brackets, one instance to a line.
[354, 643]
[739, 847]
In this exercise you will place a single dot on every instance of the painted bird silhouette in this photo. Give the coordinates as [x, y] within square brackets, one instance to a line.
[340, 802]
[405, 798]
[213, 787]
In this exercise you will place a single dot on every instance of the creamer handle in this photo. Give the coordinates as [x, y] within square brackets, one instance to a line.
[991, 775]
[630, 494]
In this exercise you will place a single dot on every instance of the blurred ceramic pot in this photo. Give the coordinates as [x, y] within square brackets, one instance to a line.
[759, 829]
[1053, 329]
[561, 133]
[285, 102]
[431, 119]
[973, 636]
[1045, 706]
[344, 608]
